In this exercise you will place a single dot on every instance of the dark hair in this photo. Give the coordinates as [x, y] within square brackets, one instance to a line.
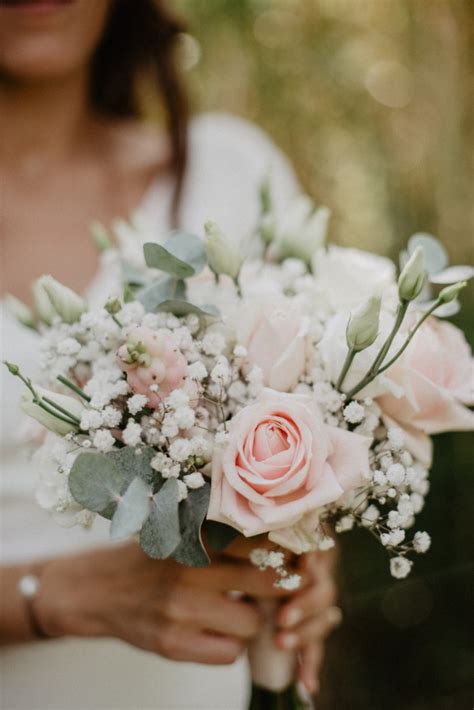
[139, 41]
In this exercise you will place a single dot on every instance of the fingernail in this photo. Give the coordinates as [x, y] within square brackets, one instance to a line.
[288, 640]
[334, 615]
[293, 617]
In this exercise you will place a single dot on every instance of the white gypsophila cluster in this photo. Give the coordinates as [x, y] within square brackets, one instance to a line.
[275, 560]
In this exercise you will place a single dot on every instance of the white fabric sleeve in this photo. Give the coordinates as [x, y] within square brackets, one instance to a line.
[228, 159]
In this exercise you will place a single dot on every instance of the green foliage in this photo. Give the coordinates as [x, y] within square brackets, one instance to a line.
[160, 534]
[132, 510]
[158, 291]
[183, 255]
[95, 481]
[193, 511]
[183, 308]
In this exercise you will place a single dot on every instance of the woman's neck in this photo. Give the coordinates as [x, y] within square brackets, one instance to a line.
[43, 123]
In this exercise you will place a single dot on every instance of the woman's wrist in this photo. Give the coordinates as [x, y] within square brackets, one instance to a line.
[67, 602]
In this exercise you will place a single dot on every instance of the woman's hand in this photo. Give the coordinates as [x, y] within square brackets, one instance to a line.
[182, 613]
[310, 615]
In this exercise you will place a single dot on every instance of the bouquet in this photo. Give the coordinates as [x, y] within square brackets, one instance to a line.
[290, 395]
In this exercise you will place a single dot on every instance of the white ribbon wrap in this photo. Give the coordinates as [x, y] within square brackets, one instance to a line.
[270, 667]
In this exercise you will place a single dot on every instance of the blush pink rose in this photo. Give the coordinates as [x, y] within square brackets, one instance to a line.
[281, 462]
[436, 375]
[151, 357]
[273, 329]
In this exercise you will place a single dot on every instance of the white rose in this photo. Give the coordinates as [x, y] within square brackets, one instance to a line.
[333, 348]
[346, 277]
[300, 538]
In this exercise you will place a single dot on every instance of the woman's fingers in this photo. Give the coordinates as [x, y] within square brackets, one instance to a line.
[237, 576]
[310, 660]
[210, 611]
[310, 601]
[181, 643]
[241, 548]
[313, 629]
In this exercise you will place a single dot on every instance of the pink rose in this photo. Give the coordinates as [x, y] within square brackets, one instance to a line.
[151, 357]
[273, 330]
[436, 375]
[282, 461]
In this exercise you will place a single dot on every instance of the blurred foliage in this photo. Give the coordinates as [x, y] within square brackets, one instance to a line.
[373, 102]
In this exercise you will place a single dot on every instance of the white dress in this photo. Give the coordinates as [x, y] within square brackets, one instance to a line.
[228, 159]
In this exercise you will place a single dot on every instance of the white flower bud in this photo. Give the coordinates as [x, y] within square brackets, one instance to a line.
[51, 422]
[303, 231]
[20, 310]
[43, 306]
[450, 293]
[67, 304]
[100, 237]
[222, 253]
[413, 276]
[363, 326]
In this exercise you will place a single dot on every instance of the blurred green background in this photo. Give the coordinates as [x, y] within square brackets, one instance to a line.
[373, 102]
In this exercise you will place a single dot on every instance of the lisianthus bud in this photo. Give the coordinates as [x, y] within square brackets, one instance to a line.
[51, 422]
[363, 326]
[43, 306]
[413, 276]
[303, 230]
[265, 196]
[222, 253]
[20, 310]
[450, 293]
[100, 237]
[113, 306]
[67, 304]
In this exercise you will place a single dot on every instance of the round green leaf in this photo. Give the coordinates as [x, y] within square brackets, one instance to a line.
[95, 482]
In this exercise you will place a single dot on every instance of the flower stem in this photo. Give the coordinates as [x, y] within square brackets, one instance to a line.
[41, 403]
[375, 367]
[410, 336]
[51, 403]
[73, 387]
[345, 368]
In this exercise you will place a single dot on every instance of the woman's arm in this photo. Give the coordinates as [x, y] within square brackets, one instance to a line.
[179, 612]
[15, 619]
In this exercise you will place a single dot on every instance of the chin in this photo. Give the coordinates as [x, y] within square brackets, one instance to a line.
[46, 39]
[38, 63]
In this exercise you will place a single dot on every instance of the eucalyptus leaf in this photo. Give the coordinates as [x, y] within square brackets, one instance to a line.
[95, 481]
[131, 275]
[188, 248]
[193, 510]
[156, 292]
[219, 535]
[183, 308]
[158, 257]
[132, 510]
[134, 462]
[160, 534]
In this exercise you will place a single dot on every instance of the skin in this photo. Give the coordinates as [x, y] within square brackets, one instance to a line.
[70, 167]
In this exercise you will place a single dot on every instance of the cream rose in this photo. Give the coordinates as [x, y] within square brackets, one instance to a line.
[347, 277]
[281, 462]
[436, 376]
[273, 329]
